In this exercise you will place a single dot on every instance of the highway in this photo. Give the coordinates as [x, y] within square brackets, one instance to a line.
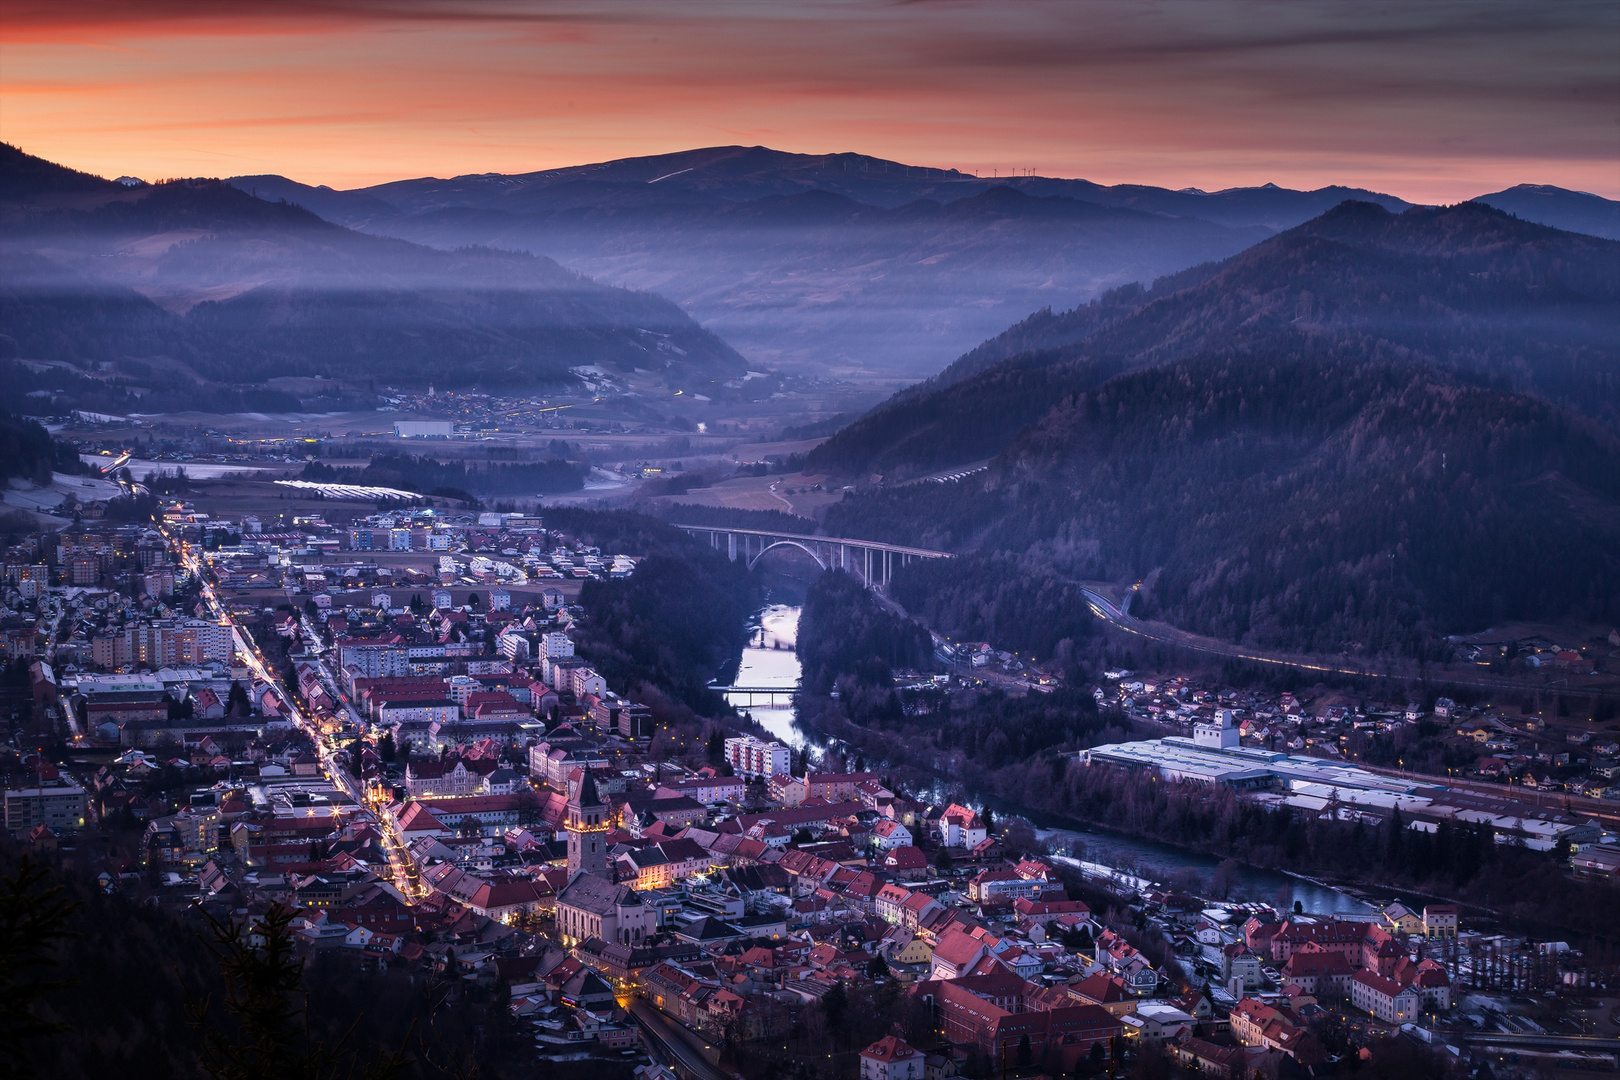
[1106, 610]
[404, 871]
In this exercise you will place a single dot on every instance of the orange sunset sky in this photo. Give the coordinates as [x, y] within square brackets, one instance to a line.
[1431, 102]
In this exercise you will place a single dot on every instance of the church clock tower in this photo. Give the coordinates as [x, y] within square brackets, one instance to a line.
[587, 828]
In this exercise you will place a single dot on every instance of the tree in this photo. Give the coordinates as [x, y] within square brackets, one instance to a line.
[1026, 1055]
[877, 967]
[264, 1033]
[33, 919]
[385, 746]
[473, 600]
[715, 748]
[236, 701]
[1018, 834]
[1222, 883]
[835, 1006]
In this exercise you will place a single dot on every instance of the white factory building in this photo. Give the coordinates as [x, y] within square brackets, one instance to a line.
[1322, 785]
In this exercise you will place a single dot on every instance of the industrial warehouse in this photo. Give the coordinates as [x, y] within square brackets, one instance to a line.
[1214, 755]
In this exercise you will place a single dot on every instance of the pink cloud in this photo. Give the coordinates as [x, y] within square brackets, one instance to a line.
[1430, 101]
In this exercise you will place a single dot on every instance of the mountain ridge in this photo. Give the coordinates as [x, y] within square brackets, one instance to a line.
[833, 263]
[1504, 316]
[196, 281]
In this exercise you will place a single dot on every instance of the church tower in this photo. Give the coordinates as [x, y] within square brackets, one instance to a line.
[587, 828]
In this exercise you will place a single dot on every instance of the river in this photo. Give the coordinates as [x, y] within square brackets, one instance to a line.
[769, 661]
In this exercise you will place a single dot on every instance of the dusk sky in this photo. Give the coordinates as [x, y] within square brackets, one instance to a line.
[1432, 102]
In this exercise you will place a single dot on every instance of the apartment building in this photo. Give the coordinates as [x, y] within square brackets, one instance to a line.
[751, 757]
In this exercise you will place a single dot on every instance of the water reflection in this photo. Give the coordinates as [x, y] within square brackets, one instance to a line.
[1203, 875]
[769, 661]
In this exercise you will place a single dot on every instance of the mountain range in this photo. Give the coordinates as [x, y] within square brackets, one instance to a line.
[1365, 433]
[842, 262]
[198, 292]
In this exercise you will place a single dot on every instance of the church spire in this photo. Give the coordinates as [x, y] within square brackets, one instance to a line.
[586, 824]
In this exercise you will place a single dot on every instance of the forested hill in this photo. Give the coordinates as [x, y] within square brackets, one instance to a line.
[1466, 288]
[1312, 500]
[1366, 434]
[194, 283]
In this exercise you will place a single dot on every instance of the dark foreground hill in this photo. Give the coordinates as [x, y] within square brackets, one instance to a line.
[1362, 435]
[198, 283]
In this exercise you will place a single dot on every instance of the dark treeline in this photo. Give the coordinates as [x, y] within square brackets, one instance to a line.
[847, 638]
[967, 738]
[1461, 861]
[28, 451]
[815, 429]
[675, 625]
[428, 475]
[1314, 500]
[96, 984]
[849, 642]
[134, 385]
[1015, 604]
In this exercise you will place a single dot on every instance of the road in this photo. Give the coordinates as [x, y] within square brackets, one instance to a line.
[1549, 800]
[666, 1038]
[1106, 610]
[1590, 1043]
[399, 861]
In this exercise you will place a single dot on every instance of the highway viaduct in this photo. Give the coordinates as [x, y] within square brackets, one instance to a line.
[872, 562]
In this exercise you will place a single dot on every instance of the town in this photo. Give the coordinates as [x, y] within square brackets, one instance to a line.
[383, 728]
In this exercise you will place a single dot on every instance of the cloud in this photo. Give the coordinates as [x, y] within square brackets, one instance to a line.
[1434, 100]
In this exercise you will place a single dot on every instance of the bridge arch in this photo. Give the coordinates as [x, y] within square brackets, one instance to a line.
[787, 543]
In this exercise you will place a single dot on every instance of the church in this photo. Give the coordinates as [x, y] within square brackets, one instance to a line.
[592, 904]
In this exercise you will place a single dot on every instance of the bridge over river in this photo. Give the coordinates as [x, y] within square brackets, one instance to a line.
[872, 562]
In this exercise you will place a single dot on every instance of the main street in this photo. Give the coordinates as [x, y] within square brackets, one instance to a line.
[399, 861]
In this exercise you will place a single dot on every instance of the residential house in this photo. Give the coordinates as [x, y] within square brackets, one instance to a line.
[891, 1058]
[1254, 1023]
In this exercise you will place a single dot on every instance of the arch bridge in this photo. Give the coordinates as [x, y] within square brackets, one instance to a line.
[872, 562]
